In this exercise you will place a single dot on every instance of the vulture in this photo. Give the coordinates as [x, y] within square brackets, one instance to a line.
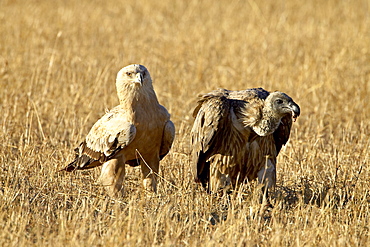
[136, 132]
[237, 136]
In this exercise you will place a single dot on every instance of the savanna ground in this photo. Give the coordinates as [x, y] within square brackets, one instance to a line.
[58, 62]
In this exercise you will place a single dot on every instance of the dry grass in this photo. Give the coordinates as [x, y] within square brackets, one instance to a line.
[58, 62]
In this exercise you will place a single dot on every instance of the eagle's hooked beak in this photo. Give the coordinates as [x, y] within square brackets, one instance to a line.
[139, 78]
[296, 111]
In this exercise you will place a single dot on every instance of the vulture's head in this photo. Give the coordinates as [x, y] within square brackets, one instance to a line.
[132, 76]
[281, 104]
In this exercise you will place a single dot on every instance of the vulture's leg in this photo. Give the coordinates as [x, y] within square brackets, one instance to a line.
[214, 178]
[204, 178]
[112, 176]
[203, 172]
[267, 177]
[264, 199]
[218, 180]
[150, 171]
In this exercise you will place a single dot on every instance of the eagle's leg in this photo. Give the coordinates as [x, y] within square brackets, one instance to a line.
[112, 176]
[150, 171]
[267, 177]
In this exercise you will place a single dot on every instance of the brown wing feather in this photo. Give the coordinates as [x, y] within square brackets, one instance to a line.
[281, 135]
[167, 139]
[84, 159]
[87, 158]
[109, 135]
[211, 108]
[218, 133]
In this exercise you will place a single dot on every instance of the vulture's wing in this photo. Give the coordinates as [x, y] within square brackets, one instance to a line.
[221, 130]
[207, 130]
[281, 135]
[249, 94]
[107, 137]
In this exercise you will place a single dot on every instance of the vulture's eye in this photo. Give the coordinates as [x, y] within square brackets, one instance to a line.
[128, 73]
[279, 101]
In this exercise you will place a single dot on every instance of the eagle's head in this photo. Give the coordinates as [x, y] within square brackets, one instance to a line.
[282, 104]
[133, 83]
[134, 75]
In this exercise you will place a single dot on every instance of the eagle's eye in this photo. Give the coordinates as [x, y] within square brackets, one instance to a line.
[128, 73]
[279, 101]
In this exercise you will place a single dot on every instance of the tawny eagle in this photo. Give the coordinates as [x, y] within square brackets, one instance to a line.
[137, 132]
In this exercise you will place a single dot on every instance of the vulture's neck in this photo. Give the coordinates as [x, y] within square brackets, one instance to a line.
[268, 123]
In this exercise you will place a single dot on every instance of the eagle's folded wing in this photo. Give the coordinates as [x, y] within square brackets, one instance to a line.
[167, 139]
[107, 137]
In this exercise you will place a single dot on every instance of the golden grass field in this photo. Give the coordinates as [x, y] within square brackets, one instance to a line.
[58, 63]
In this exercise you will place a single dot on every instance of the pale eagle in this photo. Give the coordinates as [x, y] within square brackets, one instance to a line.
[237, 136]
[136, 132]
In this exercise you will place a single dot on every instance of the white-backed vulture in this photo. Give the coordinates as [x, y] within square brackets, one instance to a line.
[237, 135]
[137, 132]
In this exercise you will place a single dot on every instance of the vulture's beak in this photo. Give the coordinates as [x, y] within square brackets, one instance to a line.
[296, 111]
[139, 78]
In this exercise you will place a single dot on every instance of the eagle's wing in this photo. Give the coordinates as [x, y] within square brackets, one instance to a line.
[167, 138]
[110, 134]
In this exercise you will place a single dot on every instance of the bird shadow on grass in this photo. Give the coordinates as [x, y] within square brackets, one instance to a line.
[286, 197]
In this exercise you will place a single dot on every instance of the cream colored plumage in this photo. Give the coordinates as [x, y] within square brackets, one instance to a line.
[237, 136]
[138, 128]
